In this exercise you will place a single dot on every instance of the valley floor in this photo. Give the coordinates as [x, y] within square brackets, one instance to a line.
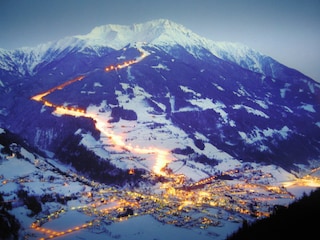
[73, 206]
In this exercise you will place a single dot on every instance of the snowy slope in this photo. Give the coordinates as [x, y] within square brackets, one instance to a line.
[69, 201]
[245, 99]
[161, 33]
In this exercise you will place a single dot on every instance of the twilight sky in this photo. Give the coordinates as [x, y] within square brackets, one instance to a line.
[287, 30]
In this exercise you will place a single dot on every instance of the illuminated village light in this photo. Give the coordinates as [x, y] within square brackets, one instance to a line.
[304, 181]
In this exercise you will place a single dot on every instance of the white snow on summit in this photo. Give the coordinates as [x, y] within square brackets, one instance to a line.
[161, 33]
[156, 32]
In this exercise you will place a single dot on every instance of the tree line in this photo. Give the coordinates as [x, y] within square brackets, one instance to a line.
[297, 221]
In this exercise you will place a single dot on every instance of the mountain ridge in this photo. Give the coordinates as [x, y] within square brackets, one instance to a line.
[161, 33]
[245, 105]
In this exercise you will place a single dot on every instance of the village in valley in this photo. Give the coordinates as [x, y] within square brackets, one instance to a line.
[52, 200]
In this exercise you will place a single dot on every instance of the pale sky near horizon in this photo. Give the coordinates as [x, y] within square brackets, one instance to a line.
[287, 30]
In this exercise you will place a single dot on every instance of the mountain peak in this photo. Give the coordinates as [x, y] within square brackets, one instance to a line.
[159, 24]
[160, 32]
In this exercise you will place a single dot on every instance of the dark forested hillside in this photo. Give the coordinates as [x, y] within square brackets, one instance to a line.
[298, 221]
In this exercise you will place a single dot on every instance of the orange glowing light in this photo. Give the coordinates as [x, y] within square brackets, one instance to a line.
[161, 156]
[305, 181]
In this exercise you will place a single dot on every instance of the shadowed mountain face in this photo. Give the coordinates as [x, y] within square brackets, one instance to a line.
[220, 95]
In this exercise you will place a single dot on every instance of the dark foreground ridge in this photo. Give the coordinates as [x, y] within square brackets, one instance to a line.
[297, 221]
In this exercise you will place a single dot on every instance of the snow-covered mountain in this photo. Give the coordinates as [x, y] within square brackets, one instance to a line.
[161, 33]
[208, 103]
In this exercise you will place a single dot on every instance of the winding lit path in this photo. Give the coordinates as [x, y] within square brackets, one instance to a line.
[161, 155]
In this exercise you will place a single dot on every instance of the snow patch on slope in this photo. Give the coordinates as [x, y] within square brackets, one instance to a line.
[258, 135]
[251, 110]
